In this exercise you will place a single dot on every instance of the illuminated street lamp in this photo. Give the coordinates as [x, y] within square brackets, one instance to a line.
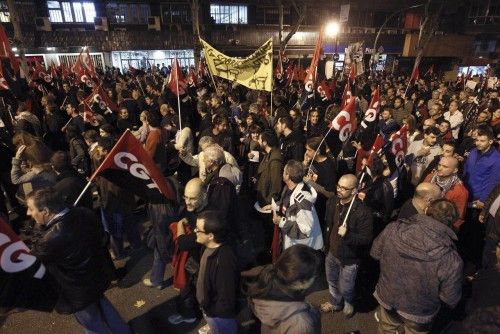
[332, 29]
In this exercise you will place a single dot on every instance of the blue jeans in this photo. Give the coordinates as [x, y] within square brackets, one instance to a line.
[117, 225]
[222, 325]
[341, 280]
[101, 318]
[158, 268]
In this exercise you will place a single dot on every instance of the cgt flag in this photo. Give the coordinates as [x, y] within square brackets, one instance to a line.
[399, 145]
[373, 109]
[129, 166]
[100, 102]
[310, 80]
[24, 282]
[345, 122]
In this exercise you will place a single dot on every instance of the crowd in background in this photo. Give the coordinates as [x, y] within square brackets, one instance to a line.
[420, 225]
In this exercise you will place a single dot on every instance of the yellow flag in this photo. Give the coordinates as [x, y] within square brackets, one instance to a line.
[254, 71]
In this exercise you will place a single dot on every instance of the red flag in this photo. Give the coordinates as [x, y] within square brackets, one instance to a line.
[345, 122]
[399, 145]
[84, 68]
[415, 74]
[310, 79]
[23, 279]
[100, 100]
[373, 109]
[129, 166]
[353, 73]
[64, 71]
[53, 70]
[192, 78]
[89, 116]
[376, 150]
[176, 80]
[347, 95]
[202, 69]
[6, 50]
[324, 90]
[3, 82]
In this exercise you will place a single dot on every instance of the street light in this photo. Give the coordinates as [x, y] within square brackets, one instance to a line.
[332, 29]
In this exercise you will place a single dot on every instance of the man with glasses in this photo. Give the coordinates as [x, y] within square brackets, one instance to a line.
[349, 231]
[218, 276]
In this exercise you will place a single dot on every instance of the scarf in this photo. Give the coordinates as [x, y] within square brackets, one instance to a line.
[445, 184]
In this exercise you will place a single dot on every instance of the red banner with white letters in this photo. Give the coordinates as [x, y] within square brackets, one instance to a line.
[24, 281]
[130, 167]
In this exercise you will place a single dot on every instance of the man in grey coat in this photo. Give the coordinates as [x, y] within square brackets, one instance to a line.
[419, 268]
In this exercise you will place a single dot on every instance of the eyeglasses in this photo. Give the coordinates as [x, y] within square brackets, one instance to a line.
[344, 188]
[197, 230]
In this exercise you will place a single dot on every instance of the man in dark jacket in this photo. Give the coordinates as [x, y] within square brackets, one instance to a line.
[218, 275]
[419, 269]
[68, 182]
[345, 244]
[73, 251]
[291, 141]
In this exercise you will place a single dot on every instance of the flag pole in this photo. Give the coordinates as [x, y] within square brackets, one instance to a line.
[177, 69]
[317, 150]
[140, 86]
[344, 223]
[94, 175]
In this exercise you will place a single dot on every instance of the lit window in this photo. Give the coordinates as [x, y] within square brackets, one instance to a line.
[231, 14]
[4, 12]
[89, 9]
[68, 16]
[65, 11]
[77, 8]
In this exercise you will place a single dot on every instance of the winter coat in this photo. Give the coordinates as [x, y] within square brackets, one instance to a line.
[269, 178]
[350, 248]
[286, 317]
[292, 146]
[419, 268]
[300, 225]
[73, 250]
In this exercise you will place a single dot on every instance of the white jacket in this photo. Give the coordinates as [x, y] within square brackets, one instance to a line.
[300, 225]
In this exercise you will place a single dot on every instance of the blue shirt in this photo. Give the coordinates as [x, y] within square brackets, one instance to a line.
[482, 173]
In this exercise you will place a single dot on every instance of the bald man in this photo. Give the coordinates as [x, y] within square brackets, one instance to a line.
[344, 244]
[452, 188]
[425, 193]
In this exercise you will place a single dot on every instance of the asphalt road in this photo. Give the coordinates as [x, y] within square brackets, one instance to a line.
[157, 305]
[146, 309]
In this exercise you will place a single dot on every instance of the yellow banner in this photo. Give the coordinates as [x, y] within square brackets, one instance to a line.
[254, 71]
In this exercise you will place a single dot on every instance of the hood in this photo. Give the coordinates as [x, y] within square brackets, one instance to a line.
[231, 173]
[272, 312]
[305, 190]
[423, 238]
[26, 115]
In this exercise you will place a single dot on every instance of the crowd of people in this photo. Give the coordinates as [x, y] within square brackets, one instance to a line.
[421, 225]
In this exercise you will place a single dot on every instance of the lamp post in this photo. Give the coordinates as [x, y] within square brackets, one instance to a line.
[372, 58]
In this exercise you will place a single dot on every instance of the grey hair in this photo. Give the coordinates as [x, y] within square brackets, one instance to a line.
[215, 154]
[295, 170]
[205, 141]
